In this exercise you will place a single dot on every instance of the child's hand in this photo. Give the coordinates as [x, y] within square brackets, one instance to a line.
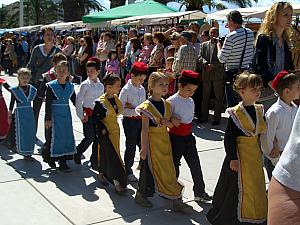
[143, 154]
[176, 121]
[128, 105]
[85, 119]
[9, 120]
[234, 165]
[48, 124]
[274, 153]
[165, 122]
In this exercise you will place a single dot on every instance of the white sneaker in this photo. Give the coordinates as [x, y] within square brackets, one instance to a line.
[39, 143]
[132, 178]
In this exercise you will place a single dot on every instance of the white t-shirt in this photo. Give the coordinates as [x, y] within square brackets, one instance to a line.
[182, 107]
[287, 170]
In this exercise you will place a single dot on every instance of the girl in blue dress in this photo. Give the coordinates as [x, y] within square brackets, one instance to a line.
[58, 119]
[22, 121]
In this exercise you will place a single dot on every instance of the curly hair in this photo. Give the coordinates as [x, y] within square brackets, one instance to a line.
[267, 26]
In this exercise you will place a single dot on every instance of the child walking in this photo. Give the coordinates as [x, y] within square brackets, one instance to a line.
[58, 119]
[182, 140]
[240, 195]
[157, 172]
[89, 90]
[22, 120]
[106, 110]
[50, 75]
[4, 126]
[131, 96]
[280, 118]
[112, 63]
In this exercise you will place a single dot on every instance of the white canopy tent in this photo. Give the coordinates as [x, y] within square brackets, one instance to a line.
[253, 12]
[26, 28]
[152, 19]
[66, 25]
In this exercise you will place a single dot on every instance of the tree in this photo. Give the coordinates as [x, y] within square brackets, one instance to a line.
[75, 9]
[195, 4]
[199, 4]
[3, 15]
[116, 3]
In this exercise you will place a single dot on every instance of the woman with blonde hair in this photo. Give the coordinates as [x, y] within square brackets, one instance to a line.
[272, 45]
[273, 53]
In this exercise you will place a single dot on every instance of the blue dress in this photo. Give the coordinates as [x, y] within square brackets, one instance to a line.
[25, 126]
[62, 140]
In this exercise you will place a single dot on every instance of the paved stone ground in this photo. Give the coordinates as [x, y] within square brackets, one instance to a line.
[32, 194]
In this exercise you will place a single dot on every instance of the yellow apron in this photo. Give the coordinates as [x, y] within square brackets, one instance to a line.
[252, 205]
[160, 157]
[111, 122]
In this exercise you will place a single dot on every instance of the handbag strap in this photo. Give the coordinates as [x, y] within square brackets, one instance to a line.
[243, 53]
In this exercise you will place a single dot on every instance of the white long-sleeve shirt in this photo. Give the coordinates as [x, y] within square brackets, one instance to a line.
[132, 95]
[280, 118]
[89, 91]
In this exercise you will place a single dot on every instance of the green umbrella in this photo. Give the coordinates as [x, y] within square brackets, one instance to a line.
[147, 7]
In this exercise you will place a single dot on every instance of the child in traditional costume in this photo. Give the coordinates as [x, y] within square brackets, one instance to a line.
[50, 75]
[240, 195]
[22, 120]
[4, 126]
[89, 91]
[182, 140]
[157, 172]
[280, 118]
[58, 119]
[131, 96]
[105, 113]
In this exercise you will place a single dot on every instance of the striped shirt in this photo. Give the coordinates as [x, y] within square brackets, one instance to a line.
[233, 47]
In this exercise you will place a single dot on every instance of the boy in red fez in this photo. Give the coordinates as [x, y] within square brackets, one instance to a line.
[280, 117]
[182, 140]
[131, 96]
[137, 67]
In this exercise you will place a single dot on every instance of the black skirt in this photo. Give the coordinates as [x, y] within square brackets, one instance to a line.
[109, 162]
[225, 199]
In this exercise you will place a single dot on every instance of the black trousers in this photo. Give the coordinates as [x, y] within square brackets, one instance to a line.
[37, 104]
[186, 146]
[132, 130]
[89, 136]
[197, 97]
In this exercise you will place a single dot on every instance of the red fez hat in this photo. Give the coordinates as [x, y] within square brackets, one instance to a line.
[189, 73]
[140, 66]
[2, 81]
[94, 59]
[278, 77]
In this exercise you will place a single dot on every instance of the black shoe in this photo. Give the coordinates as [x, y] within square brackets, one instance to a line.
[77, 159]
[216, 123]
[142, 201]
[64, 168]
[102, 179]
[52, 164]
[204, 198]
[201, 121]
